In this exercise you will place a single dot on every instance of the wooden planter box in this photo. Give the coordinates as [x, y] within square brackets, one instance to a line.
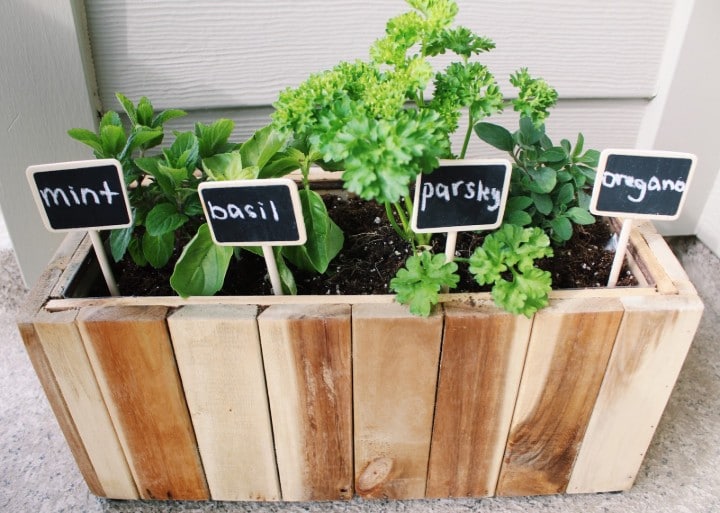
[323, 398]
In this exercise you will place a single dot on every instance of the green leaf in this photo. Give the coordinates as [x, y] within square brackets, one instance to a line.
[165, 116]
[164, 218]
[543, 203]
[213, 138]
[580, 216]
[529, 133]
[110, 118]
[562, 228]
[279, 167]
[556, 154]
[158, 249]
[325, 238]
[543, 179]
[202, 266]
[495, 136]
[145, 112]
[518, 218]
[228, 166]
[519, 202]
[262, 146]
[184, 152]
[119, 241]
[418, 283]
[287, 280]
[135, 250]
[579, 145]
[89, 138]
[591, 158]
[128, 107]
[112, 139]
[526, 294]
[565, 195]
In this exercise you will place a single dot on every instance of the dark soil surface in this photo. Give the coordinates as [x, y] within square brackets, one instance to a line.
[373, 253]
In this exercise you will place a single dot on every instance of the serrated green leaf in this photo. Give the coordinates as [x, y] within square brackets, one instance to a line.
[202, 266]
[158, 249]
[145, 112]
[135, 250]
[160, 119]
[89, 138]
[112, 139]
[164, 218]
[110, 118]
[184, 152]
[128, 107]
[213, 138]
[495, 136]
[262, 146]
[228, 166]
[418, 283]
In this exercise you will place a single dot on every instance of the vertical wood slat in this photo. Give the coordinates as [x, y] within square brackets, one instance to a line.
[44, 372]
[569, 348]
[306, 350]
[395, 367]
[654, 338]
[131, 354]
[217, 349]
[69, 362]
[483, 353]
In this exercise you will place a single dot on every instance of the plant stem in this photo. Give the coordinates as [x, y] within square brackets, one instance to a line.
[393, 222]
[471, 124]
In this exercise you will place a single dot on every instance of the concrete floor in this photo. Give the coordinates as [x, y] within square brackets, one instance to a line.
[679, 475]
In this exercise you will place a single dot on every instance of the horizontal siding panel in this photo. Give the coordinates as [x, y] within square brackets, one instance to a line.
[604, 123]
[222, 53]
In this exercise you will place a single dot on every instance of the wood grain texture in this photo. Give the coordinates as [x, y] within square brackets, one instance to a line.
[569, 348]
[217, 350]
[65, 352]
[306, 350]
[131, 354]
[483, 354]
[154, 48]
[395, 366]
[649, 352]
[59, 407]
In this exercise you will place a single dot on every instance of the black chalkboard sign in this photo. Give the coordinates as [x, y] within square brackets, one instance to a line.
[81, 195]
[254, 212]
[461, 195]
[642, 184]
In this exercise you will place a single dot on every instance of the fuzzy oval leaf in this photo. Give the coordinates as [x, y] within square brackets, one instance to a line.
[201, 268]
[495, 136]
[580, 216]
[543, 179]
[543, 203]
[164, 218]
[562, 228]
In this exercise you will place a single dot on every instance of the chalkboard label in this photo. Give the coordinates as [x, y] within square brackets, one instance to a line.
[642, 184]
[461, 195]
[81, 195]
[254, 212]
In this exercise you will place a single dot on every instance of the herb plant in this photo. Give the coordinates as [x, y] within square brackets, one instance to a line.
[166, 206]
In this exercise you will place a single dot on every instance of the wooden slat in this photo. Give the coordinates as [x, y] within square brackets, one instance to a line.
[33, 303]
[650, 349]
[483, 353]
[68, 360]
[59, 407]
[217, 350]
[568, 353]
[395, 366]
[306, 350]
[132, 357]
